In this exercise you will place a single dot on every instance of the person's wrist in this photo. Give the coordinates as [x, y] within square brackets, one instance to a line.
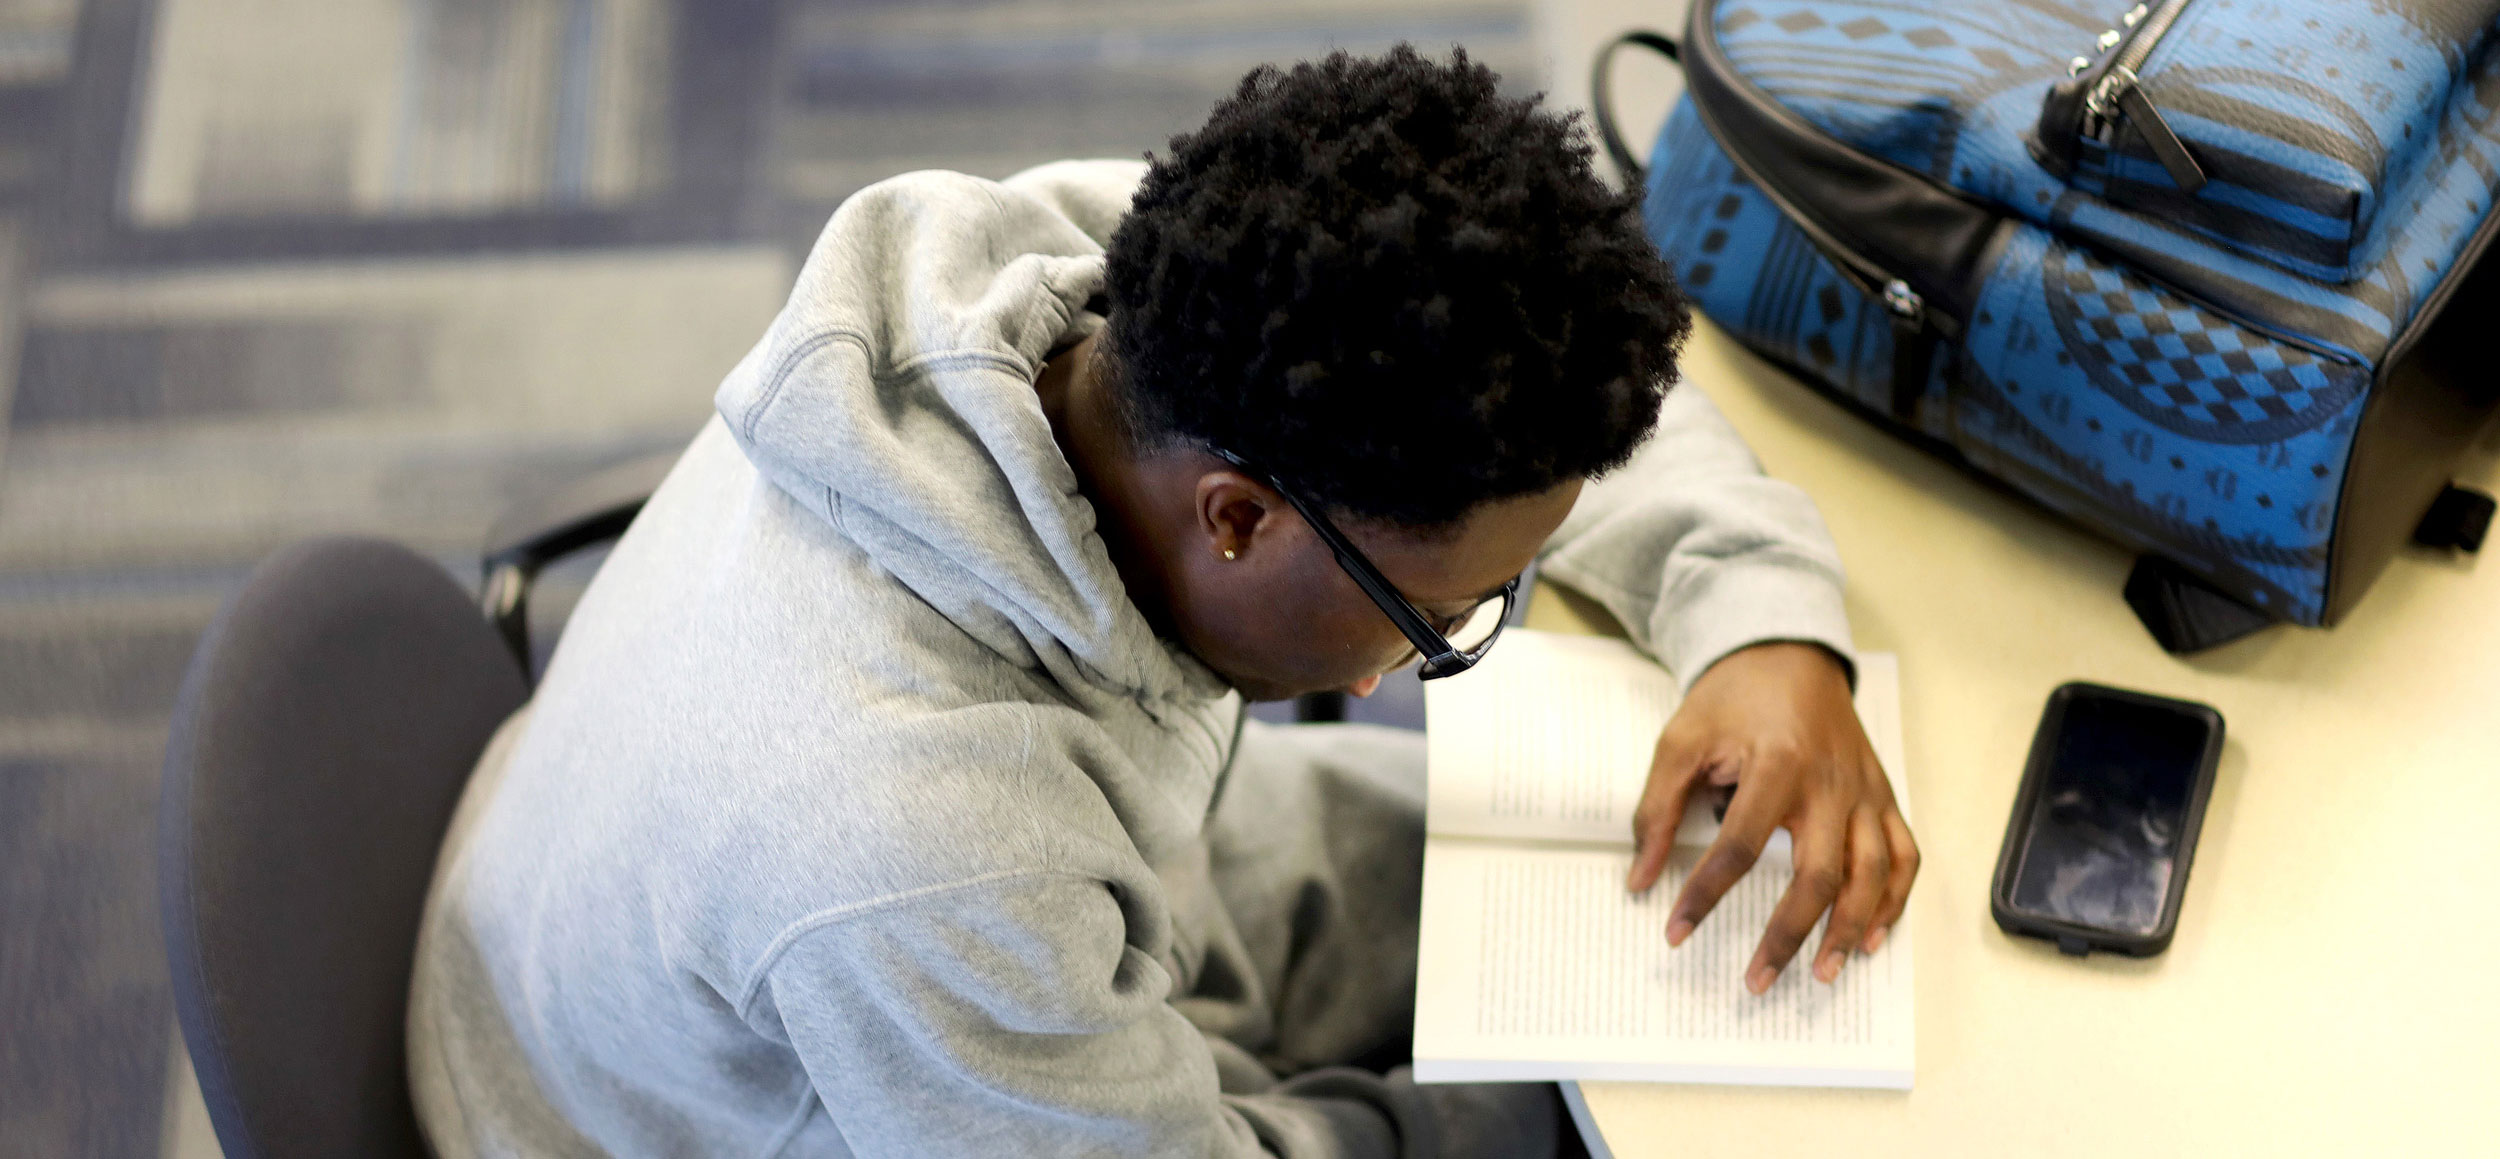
[1792, 658]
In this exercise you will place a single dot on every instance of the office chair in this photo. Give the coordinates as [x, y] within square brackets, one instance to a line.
[324, 729]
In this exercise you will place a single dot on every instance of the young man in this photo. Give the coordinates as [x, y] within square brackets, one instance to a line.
[891, 792]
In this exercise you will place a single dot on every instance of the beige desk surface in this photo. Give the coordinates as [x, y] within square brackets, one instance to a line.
[2334, 988]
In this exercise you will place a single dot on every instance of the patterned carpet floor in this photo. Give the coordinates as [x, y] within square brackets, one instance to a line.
[277, 268]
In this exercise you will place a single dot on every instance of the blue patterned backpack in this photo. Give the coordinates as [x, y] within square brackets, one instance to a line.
[2201, 275]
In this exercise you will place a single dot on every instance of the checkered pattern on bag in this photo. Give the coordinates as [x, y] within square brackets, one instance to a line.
[2184, 368]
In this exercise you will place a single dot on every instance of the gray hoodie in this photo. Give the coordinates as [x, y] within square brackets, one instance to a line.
[861, 812]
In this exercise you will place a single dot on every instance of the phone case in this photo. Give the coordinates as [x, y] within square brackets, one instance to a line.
[2071, 937]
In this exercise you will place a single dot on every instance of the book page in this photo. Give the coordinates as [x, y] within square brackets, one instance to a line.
[1552, 736]
[1536, 964]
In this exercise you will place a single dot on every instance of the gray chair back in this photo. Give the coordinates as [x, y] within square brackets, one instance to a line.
[323, 732]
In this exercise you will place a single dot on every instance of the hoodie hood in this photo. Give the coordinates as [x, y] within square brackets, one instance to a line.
[894, 396]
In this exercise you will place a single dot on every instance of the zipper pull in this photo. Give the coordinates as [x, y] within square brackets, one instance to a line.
[1913, 349]
[2120, 93]
[1902, 302]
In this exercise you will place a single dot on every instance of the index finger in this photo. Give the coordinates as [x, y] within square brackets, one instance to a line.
[1661, 812]
[1747, 827]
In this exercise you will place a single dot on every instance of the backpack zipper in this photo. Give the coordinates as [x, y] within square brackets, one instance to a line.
[2117, 92]
[1915, 322]
[2116, 95]
[1915, 325]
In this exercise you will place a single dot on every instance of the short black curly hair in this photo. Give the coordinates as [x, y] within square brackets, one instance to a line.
[1393, 288]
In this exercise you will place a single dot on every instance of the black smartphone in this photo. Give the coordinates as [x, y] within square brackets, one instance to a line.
[2104, 827]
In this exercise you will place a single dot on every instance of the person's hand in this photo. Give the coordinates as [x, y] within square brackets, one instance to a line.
[1775, 721]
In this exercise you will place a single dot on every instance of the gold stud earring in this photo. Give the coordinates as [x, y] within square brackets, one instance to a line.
[1229, 553]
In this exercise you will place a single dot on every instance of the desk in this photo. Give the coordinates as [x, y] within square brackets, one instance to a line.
[2335, 985]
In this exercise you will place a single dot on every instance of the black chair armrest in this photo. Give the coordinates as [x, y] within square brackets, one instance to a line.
[543, 529]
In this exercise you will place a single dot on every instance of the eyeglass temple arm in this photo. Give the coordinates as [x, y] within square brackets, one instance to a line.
[1426, 639]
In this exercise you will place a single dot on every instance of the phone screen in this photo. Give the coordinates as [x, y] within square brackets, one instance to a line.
[2105, 826]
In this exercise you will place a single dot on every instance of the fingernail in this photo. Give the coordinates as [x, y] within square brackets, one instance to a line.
[1761, 979]
[1827, 968]
[1678, 930]
[1875, 938]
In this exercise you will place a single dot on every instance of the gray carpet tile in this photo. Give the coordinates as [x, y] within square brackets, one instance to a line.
[83, 1003]
[35, 40]
[93, 668]
[993, 87]
[146, 372]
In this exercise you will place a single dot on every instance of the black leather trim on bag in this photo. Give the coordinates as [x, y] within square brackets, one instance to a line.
[2063, 106]
[1602, 102]
[2433, 396]
[1884, 220]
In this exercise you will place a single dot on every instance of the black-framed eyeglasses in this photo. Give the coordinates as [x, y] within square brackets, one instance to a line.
[1447, 649]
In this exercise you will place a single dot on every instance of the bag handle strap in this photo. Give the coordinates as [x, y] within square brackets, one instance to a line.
[1601, 102]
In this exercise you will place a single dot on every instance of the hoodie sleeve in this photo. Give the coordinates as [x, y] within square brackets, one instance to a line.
[1010, 1016]
[1093, 194]
[1696, 552]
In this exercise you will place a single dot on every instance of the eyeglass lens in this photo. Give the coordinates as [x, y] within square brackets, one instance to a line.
[1472, 629]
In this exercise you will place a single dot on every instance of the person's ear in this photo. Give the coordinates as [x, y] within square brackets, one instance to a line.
[1233, 512]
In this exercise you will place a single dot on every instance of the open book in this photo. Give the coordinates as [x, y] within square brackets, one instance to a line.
[1535, 962]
